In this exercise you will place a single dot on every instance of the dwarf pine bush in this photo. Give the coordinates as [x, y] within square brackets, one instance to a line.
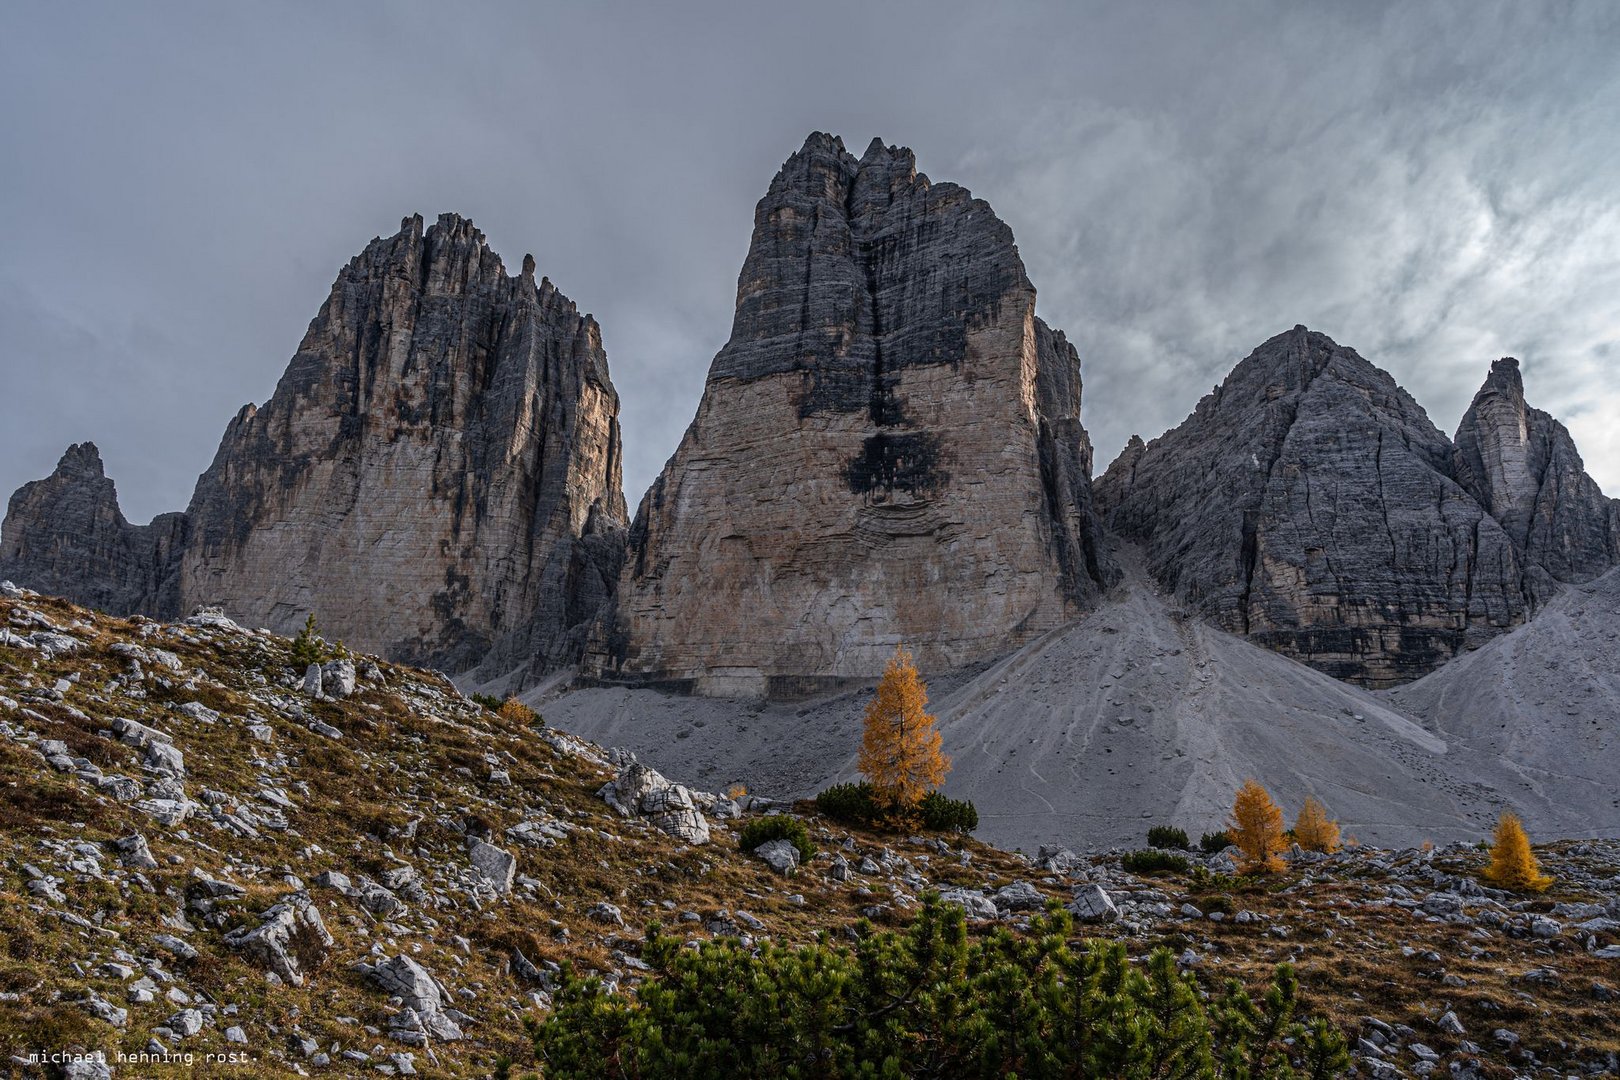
[308, 647]
[929, 1001]
[763, 830]
[1168, 837]
[859, 804]
[1153, 861]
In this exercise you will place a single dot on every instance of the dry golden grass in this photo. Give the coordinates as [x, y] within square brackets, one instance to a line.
[403, 762]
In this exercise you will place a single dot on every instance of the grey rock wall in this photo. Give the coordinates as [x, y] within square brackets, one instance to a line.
[1523, 466]
[66, 536]
[1309, 504]
[436, 478]
[888, 449]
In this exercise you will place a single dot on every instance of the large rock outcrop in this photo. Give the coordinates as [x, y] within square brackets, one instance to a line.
[66, 536]
[424, 476]
[1522, 465]
[888, 449]
[436, 478]
[1309, 503]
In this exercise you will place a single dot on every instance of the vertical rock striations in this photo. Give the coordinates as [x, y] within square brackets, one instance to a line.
[1522, 465]
[65, 535]
[888, 449]
[436, 478]
[433, 467]
[1309, 503]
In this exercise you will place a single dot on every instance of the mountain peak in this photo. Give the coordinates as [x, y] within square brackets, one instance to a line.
[1505, 377]
[1524, 467]
[885, 349]
[81, 461]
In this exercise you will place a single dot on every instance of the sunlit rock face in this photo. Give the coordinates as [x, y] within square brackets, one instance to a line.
[436, 478]
[888, 449]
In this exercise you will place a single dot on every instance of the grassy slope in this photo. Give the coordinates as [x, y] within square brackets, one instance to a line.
[414, 750]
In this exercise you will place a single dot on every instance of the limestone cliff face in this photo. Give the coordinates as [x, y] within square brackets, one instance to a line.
[429, 467]
[1522, 465]
[65, 535]
[1309, 503]
[437, 477]
[888, 449]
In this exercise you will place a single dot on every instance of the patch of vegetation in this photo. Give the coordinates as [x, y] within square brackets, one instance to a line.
[1154, 861]
[1168, 837]
[487, 701]
[860, 805]
[777, 827]
[1208, 902]
[1212, 842]
[929, 1001]
[942, 814]
[849, 804]
[515, 712]
[308, 647]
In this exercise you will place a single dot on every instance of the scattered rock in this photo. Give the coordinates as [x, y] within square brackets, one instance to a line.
[337, 679]
[973, 902]
[604, 912]
[290, 939]
[420, 995]
[497, 865]
[779, 855]
[1019, 896]
[1092, 904]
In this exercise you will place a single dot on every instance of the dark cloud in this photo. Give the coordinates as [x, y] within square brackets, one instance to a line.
[1435, 185]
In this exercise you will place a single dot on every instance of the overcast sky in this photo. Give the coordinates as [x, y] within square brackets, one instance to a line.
[1433, 184]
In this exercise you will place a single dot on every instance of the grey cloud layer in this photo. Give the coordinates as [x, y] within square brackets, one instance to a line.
[1436, 185]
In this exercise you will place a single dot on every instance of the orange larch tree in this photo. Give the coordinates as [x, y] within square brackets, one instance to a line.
[1257, 829]
[1513, 864]
[900, 748]
[1314, 830]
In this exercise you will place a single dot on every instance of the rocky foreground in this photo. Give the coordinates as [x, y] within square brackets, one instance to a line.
[355, 870]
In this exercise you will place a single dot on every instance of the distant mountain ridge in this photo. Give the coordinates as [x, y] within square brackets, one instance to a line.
[889, 449]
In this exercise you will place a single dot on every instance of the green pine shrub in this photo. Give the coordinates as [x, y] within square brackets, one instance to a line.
[859, 805]
[1154, 861]
[1169, 837]
[309, 647]
[929, 1000]
[1212, 842]
[850, 804]
[763, 830]
[948, 815]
